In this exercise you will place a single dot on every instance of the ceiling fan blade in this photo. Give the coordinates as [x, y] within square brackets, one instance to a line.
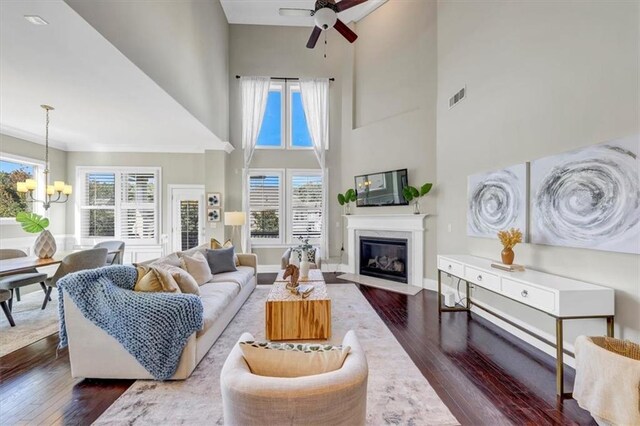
[315, 35]
[346, 32]
[348, 4]
[290, 11]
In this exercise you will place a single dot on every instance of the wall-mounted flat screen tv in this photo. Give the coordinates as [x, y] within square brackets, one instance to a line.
[381, 189]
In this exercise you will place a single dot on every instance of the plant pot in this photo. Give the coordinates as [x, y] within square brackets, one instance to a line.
[304, 269]
[507, 256]
[45, 245]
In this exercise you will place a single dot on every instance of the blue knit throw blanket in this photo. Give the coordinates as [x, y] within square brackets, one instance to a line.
[153, 327]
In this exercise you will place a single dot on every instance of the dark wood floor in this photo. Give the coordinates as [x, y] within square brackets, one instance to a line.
[484, 375]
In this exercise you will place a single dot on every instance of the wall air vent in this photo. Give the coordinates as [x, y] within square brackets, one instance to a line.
[457, 97]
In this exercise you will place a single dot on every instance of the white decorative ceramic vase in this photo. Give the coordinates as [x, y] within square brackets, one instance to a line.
[304, 267]
[293, 259]
[45, 246]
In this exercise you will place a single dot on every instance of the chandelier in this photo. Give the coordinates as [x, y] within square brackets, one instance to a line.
[54, 192]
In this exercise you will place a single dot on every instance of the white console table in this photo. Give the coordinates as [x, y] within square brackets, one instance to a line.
[562, 298]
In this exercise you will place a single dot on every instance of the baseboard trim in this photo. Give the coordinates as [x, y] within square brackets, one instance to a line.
[430, 284]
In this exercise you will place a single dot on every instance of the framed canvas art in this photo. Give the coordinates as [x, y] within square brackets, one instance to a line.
[497, 201]
[588, 198]
[214, 199]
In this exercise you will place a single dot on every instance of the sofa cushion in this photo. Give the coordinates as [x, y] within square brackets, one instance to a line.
[292, 359]
[171, 259]
[151, 279]
[201, 248]
[241, 277]
[215, 244]
[215, 298]
[197, 266]
[221, 260]
[185, 280]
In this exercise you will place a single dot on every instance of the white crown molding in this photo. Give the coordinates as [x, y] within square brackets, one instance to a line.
[31, 137]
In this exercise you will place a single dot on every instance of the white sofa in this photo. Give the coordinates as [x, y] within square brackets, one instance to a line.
[95, 354]
[337, 398]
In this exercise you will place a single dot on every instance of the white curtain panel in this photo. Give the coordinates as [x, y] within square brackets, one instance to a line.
[315, 102]
[254, 92]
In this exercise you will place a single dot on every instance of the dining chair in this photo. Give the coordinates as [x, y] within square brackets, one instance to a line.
[13, 282]
[5, 295]
[113, 246]
[74, 262]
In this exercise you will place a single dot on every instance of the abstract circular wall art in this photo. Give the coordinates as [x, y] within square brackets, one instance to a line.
[497, 201]
[588, 198]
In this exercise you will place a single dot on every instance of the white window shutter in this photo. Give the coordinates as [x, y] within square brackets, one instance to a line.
[306, 206]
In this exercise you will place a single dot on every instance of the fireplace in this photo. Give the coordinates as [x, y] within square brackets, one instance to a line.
[384, 258]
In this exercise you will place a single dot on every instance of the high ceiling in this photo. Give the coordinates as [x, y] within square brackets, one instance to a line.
[265, 12]
[102, 100]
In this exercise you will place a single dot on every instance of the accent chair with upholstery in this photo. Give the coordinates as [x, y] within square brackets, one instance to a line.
[608, 379]
[4, 296]
[335, 398]
[74, 262]
[113, 246]
[13, 282]
[316, 264]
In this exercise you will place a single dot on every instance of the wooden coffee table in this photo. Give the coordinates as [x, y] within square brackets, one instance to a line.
[290, 317]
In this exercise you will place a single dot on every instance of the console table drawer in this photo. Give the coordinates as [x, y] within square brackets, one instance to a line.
[533, 296]
[482, 278]
[450, 267]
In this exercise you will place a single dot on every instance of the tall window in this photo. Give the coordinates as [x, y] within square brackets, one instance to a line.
[265, 205]
[15, 169]
[120, 203]
[284, 124]
[285, 205]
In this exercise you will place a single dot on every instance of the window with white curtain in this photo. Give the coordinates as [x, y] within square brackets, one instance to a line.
[285, 205]
[284, 124]
[119, 203]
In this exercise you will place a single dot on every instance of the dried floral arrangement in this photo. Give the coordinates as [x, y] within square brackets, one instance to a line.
[510, 238]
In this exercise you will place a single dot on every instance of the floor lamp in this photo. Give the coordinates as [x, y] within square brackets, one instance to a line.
[235, 219]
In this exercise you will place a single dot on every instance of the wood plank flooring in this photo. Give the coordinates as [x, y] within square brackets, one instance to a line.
[483, 374]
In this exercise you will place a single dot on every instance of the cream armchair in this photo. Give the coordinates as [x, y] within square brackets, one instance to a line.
[335, 398]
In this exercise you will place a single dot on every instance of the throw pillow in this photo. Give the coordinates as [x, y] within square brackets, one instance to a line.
[221, 260]
[171, 259]
[152, 279]
[292, 359]
[215, 244]
[185, 281]
[197, 266]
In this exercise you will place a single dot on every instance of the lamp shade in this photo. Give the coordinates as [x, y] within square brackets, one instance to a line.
[234, 218]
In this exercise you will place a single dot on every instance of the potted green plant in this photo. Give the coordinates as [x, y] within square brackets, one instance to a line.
[45, 245]
[411, 193]
[349, 196]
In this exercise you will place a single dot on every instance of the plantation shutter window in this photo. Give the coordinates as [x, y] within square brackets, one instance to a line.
[265, 206]
[119, 203]
[306, 206]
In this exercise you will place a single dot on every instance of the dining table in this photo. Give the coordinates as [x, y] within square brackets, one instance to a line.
[25, 264]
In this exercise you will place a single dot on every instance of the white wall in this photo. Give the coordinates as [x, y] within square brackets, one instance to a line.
[182, 45]
[389, 118]
[542, 78]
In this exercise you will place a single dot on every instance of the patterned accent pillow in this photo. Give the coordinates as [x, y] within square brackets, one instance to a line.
[292, 359]
[311, 254]
[215, 245]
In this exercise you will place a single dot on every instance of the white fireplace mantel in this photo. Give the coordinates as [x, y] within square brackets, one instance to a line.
[409, 226]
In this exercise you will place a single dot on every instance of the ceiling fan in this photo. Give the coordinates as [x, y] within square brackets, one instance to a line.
[325, 16]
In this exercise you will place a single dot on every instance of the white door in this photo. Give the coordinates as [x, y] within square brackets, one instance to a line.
[187, 217]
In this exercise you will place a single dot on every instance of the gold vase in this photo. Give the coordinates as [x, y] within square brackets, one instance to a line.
[507, 256]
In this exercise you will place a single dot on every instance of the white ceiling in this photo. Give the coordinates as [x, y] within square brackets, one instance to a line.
[102, 101]
[265, 12]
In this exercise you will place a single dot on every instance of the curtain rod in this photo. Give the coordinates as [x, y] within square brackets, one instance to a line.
[289, 78]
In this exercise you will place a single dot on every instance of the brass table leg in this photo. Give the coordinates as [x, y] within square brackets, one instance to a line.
[468, 296]
[559, 359]
[439, 291]
[610, 326]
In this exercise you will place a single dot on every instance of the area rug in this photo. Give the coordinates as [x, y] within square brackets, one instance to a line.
[32, 323]
[398, 393]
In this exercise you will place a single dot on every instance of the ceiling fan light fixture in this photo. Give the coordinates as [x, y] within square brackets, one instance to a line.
[325, 18]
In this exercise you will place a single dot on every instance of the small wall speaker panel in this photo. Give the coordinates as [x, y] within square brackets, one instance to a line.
[497, 201]
[588, 198]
